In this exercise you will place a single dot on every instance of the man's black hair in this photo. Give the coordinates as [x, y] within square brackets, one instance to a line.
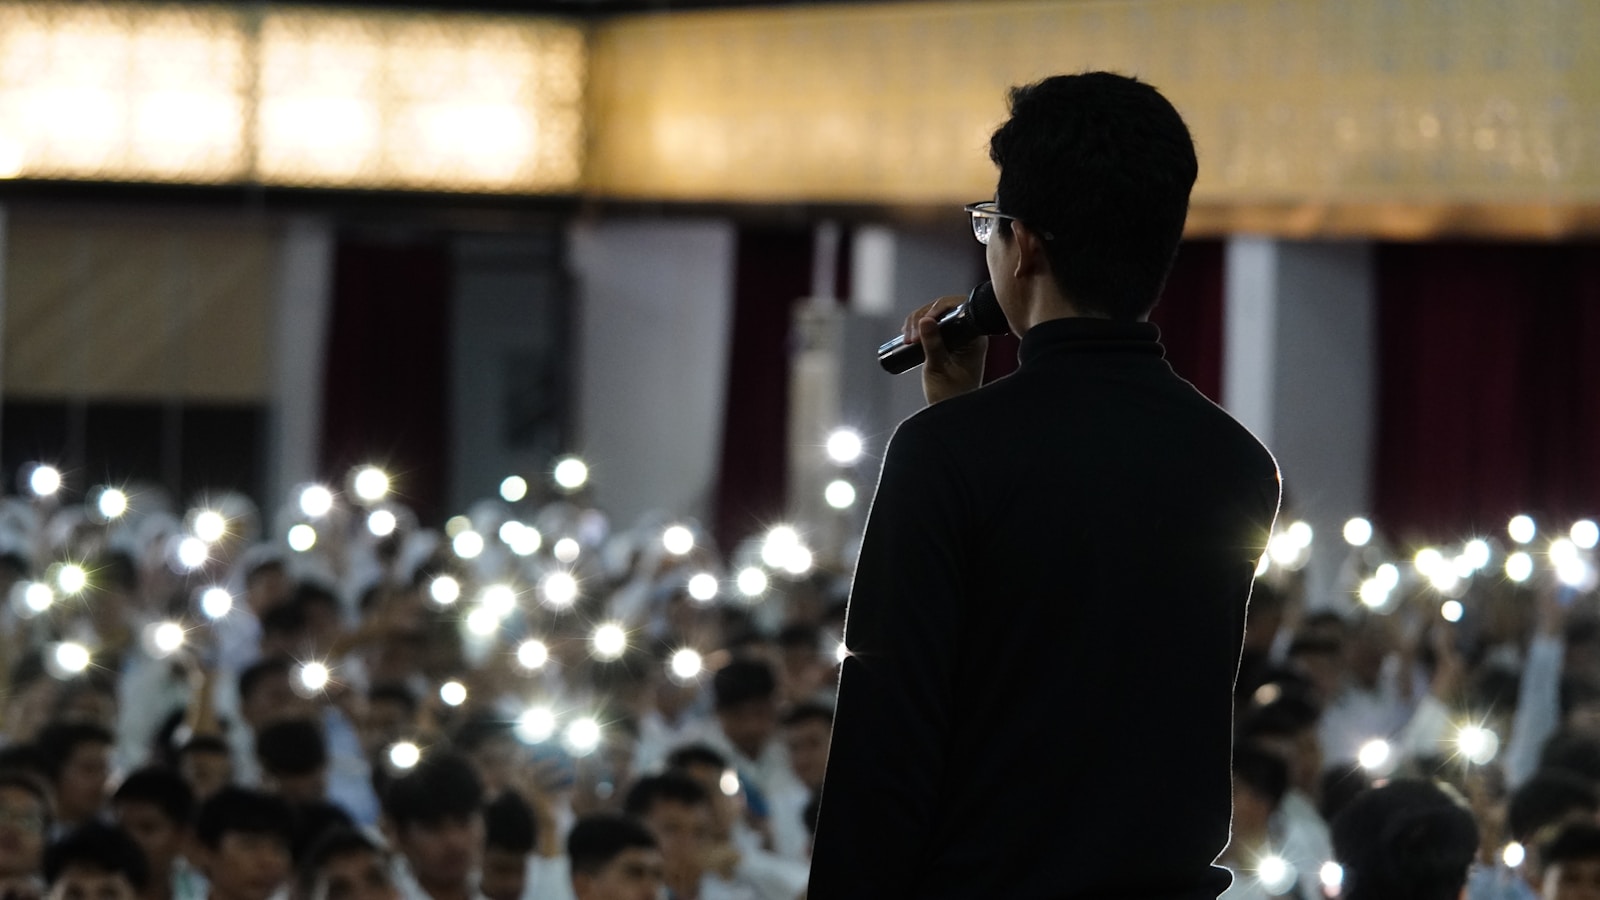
[1546, 798]
[1341, 785]
[479, 729]
[291, 747]
[809, 711]
[1103, 164]
[1572, 751]
[1409, 838]
[1575, 841]
[743, 681]
[162, 788]
[331, 844]
[673, 787]
[1285, 717]
[285, 618]
[393, 692]
[1305, 645]
[596, 840]
[442, 786]
[258, 672]
[696, 755]
[1261, 771]
[312, 821]
[102, 848]
[58, 741]
[1315, 621]
[508, 825]
[241, 810]
[30, 783]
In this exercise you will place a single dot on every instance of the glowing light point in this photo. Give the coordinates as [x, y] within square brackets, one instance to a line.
[216, 602]
[571, 473]
[532, 654]
[1275, 873]
[1427, 561]
[677, 540]
[467, 544]
[405, 755]
[775, 548]
[500, 599]
[193, 553]
[526, 542]
[729, 783]
[302, 537]
[752, 582]
[453, 693]
[1572, 572]
[686, 664]
[841, 653]
[1387, 575]
[1519, 567]
[609, 641]
[483, 622]
[1522, 529]
[72, 657]
[566, 550]
[1513, 855]
[514, 488]
[703, 587]
[583, 736]
[44, 480]
[510, 531]
[1358, 532]
[1300, 533]
[1451, 610]
[1477, 744]
[1374, 755]
[1373, 594]
[112, 503]
[536, 724]
[316, 501]
[444, 590]
[371, 484]
[166, 638]
[1585, 534]
[559, 590]
[72, 579]
[840, 494]
[210, 526]
[38, 596]
[844, 446]
[314, 676]
[1332, 877]
[457, 524]
[798, 560]
[382, 523]
[1263, 564]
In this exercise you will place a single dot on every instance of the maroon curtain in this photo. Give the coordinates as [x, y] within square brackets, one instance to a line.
[772, 271]
[1190, 315]
[1489, 374]
[387, 376]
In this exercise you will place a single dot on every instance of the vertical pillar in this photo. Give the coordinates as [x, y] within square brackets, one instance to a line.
[300, 337]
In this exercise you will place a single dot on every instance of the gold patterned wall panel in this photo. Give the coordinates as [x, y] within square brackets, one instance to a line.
[1290, 101]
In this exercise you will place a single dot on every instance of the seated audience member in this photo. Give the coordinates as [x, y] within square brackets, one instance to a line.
[509, 833]
[1260, 778]
[1408, 838]
[1572, 863]
[390, 717]
[677, 812]
[77, 761]
[614, 858]
[95, 862]
[311, 821]
[490, 742]
[1545, 802]
[345, 864]
[1287, 728]
[206, 762]
[747, 863]
[433, 815]
[24, 822]
[155, 807]
[746, 696]
[242, 840]
[807, 733]
[294, 760]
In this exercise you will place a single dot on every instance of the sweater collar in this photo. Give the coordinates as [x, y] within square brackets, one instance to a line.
[1085, 335]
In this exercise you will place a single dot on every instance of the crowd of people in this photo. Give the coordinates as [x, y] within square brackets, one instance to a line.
[334, 702]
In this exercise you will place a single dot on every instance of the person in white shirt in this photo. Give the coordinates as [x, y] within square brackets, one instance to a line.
[745, 692]
[154, 806]
[241, 844]
[748, 863]
[433, 816]
[96, 861]
[614, 858]
[677, 811]
[345, 864]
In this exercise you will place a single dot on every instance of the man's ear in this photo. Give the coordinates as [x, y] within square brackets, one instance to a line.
[1031, 260]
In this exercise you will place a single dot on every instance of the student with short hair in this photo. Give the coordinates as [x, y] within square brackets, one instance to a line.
[745, 692]
[1572, 863]
[614, 858]
[509, 836]
[746, 863]
[206, 762]
[807, 731]
[155, 806]
[677, 812]
[24, 824]
[433, 815]
[95, 862]
[1409, 838]
[294, 760]
[76, 757]
[344, 864]
[242, 844]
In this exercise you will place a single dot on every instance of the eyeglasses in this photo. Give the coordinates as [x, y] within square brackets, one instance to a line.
[984, 215]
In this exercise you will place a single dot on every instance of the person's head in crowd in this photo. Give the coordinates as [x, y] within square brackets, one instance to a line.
[1260, 779]
[1572, 863]
[1409, 838]
[490, 741]
[111, 593]
[614, 858]
[804, 671]
[155, 806]
[322, 613]
[311, 820]
[89, 698]
[344, 864]
[509, 835]
[242, 843]
[710, 770]
[283, 631]
[1580, 705]
[1543, 803]
[1572, 751]
[746, 695]
[390, 716]
[1338, 786]
[677, 811]
[433, 815]
[77, 757]
[1371, 640]
[267, 694]
[30, 699]
[206, 762]
[1321, 660]
[294, 760]
[397, 656]
[266, 583]
[808, 732]
[24, 824]
[95, 862]
[1287, 726]
[1080, 151]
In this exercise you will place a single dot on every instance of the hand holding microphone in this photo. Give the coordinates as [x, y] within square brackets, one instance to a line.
[947, 338]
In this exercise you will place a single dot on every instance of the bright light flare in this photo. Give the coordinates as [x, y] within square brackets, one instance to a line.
[72, 579]
[798, 560]
[1428, 561]
[566, 550]
[1332, 877]
[1522, 529]
[1519, 567]
[1477, 744]
[513, 488]
[703, 587]
[112, 503]
[1451, 610]
[370, 484]
[500, 599]
[583, 736]
[162, 639]
[571, 473]
[193, 553]
[532, 654]
[1275, 873]
[687, 664]
[72, 657]
[444, 590]
[839, 494]
[382, 523]
[1375, 755]
[1476, 553]
[1387, 575]
[483, 622]
[729, 783]
[302, 538]
[1513, 855]
[609, 641]
[1263, 564]
[1373, 593]
[1358, 532]
[314, 676]
[210, 526]
[558, 590]
[467, 545]
[844, 446]
[38, 597]
[536, 724]
[216, 602]
[677, 539]
[405, 755]
[1585, 534]
[752, 582]
[44, 480]
[775, 547]
[841, 653]
[453, 693]
[526, 540]
[316, 501]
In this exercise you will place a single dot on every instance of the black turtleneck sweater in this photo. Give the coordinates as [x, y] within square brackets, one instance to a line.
[1044, 630]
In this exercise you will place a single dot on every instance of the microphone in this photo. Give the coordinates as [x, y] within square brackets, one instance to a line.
[980, 315]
